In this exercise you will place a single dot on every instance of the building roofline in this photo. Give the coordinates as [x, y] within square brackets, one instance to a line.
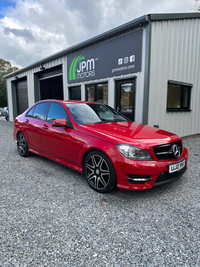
[136, 23]
[173, 16]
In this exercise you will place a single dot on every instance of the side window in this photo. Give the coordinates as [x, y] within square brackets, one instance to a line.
[30, 113]
[178, 96]
[56, 111]
[40, 111]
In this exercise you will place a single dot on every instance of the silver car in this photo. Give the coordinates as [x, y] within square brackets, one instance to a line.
[5, 111]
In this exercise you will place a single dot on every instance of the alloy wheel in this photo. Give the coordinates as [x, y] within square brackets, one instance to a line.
[97, 172]
[22, 145]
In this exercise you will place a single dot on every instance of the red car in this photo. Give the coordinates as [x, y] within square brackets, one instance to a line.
[94, 139]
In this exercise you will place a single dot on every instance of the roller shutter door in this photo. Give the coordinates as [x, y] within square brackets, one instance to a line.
[51, 83]
[49, 73]
[22, 96]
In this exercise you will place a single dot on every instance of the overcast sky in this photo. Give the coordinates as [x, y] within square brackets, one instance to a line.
[31, 30]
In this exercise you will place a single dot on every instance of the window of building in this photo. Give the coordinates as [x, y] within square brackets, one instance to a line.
[178, 96]
[97, 93]
[75, 93]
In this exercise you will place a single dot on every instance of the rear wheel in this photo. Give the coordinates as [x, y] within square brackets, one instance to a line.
[99, 172]
[22, 145]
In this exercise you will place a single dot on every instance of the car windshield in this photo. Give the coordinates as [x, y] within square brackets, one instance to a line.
[89, 113]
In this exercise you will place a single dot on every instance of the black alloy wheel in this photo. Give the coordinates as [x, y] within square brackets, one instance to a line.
[22, 145]
[99, 172]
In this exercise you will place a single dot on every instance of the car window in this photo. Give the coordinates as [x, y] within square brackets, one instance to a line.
[40, 111]
[30, 113]
[56, 111]
[87, 113]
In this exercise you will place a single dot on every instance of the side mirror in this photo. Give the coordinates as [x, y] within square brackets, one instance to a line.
[59, 123]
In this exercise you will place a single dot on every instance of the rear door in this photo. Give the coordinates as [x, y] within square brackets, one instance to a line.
[34, 120]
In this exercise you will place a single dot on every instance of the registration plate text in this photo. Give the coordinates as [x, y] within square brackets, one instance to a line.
[177, 167]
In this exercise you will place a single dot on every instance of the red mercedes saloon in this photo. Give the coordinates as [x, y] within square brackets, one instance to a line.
[96, 140]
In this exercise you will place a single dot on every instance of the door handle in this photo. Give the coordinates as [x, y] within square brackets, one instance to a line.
[26, 121]
[45, 127]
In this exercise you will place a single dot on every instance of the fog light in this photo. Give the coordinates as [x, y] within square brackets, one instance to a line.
[138, 179]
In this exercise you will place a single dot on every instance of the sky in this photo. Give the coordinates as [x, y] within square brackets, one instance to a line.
[31, 30]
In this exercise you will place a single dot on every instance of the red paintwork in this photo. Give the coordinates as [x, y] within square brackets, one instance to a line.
[69, 146]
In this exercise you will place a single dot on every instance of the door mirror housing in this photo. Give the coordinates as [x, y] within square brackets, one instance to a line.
[59, 123]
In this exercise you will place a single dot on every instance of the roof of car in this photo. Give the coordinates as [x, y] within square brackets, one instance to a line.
[69, 101]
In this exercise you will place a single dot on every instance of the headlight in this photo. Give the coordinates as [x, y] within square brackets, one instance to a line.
[134, 153]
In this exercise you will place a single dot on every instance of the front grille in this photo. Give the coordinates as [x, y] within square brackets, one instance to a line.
[165, 152]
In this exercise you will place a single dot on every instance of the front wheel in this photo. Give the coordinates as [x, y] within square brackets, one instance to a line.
[22, 145]
[99, 172]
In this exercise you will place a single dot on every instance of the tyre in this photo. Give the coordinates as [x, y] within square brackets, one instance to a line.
[22, 145]
[99, 172]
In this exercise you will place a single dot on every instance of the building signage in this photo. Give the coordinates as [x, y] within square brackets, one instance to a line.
[119, 56]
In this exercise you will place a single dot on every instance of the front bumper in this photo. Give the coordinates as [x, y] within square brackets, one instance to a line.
[150, 173]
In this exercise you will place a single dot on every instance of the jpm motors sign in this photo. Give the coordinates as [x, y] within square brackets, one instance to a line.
[119, 56]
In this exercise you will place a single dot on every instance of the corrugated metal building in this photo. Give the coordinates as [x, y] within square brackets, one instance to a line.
[148, 69]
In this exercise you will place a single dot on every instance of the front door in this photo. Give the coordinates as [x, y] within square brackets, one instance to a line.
[57, 142]
[125, 97]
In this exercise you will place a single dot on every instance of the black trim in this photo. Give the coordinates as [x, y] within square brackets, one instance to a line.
[178, 110]
[165, 177]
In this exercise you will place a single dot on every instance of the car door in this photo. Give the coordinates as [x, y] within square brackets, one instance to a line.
[57, 142]
[34, 120]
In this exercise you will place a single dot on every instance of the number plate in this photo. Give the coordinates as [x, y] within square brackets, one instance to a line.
[177, 167]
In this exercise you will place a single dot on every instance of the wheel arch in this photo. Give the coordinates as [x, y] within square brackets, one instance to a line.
[87, 153]
[96, 149]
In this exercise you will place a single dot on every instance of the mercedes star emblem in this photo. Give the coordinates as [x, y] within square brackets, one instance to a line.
[176, 151]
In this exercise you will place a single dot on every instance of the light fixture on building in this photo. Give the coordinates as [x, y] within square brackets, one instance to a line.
[140, 25]
[42, 67]
[15, 76]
